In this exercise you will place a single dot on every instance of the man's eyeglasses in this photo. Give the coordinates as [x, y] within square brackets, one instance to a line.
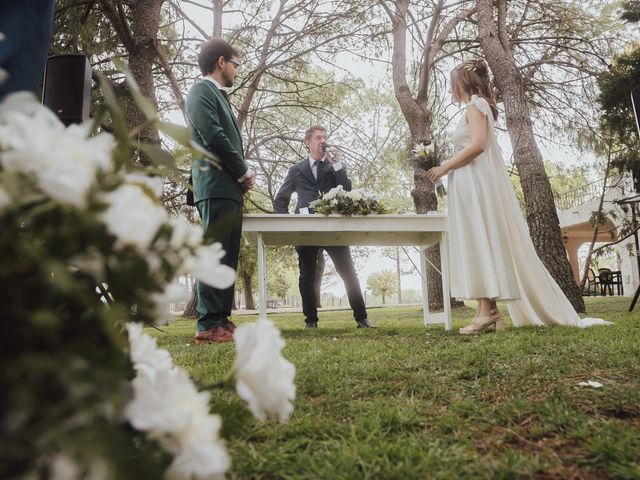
[235, 64]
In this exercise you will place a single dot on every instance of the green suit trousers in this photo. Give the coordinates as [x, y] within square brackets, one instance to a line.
[222, 222]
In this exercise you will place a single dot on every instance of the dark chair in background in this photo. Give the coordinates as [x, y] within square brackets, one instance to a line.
[592, 284]
[609, 279]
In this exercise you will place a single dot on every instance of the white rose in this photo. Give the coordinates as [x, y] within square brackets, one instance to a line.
[174, 292]
[205, 266]
[202, 454]
[147, 358]
[5, 199]
[356, 196]
[155, 184]
[166, 405]
[28, 104]
[63, 467]
[265, 379]
[333, 193]
[63, 161]
[184, 233]
[133, 216]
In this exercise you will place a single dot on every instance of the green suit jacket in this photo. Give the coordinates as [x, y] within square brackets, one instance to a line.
[215, 128]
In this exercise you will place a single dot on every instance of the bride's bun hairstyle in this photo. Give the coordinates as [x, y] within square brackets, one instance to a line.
[472, 78]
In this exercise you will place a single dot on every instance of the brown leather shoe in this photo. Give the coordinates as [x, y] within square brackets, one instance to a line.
[229, 327]
[213, 335]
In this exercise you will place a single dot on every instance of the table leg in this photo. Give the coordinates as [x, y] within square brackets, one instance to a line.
[262, 288]
[444, 268]
[425, 290]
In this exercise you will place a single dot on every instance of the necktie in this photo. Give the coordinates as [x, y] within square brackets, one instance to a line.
[317, 165]
[226, 96]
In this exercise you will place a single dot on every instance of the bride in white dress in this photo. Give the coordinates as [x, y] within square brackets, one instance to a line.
[492, 256]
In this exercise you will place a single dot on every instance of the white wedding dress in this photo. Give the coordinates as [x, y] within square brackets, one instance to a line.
[491, 253]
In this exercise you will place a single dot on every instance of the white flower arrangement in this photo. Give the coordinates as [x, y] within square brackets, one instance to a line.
[343, 202]
[74, 224]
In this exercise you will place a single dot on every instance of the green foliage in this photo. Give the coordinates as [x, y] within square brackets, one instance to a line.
[631, 11]
[383, 284]
[615, 99]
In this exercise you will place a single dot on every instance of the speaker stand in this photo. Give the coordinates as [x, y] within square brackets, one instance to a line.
[635, 299]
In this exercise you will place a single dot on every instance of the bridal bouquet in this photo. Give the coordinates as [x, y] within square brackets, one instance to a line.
[89, 254]
[353, 202]
[425, 155]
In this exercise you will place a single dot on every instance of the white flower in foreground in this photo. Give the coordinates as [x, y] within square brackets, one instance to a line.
[147, 358]
[173, 293]
[166, 404]
[169, 407]
[184, 233]
[133, 216]
[205, 266]
[265, 379]
[201, 455]
[64, 161]
[155, 184]
[63, 467]
[5, 199]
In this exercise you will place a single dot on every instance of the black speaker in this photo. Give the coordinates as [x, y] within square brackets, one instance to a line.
[67, 87]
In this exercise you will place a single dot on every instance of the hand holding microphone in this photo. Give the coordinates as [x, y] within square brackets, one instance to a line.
[333, 154]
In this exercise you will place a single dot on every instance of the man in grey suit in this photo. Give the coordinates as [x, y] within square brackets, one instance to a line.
[218, 193]
[315, 175]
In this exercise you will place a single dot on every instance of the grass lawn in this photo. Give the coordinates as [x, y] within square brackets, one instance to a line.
[404, 401]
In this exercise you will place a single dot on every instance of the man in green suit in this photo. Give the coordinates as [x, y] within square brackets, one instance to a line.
[218, 192]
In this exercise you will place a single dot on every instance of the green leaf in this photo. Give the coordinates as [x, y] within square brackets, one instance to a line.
[146, 107]
[120, 128]
[157, 154]
[179, 133]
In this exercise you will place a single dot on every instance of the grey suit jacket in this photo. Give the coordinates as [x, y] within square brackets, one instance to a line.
[300, 180]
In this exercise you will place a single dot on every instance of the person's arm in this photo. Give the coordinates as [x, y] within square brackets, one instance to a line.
[283, 197]
[204, 114]
[340, 170]
[478, 129]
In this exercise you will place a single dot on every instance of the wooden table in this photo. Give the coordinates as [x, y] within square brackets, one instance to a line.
[374, 230]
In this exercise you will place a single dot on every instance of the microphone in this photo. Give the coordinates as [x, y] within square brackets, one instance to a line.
[325, 145]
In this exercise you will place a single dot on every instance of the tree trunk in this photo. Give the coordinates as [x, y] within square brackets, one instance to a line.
[596, 227]
[418, 120]
[217, 17]
[248, 294]
[138, 32]
[190, 310]
[542, 217]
